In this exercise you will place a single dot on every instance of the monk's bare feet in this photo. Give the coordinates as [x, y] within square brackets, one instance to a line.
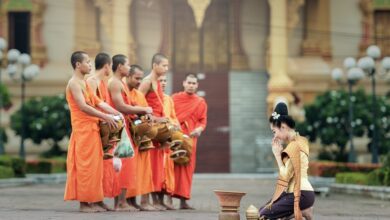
[159, 207]
[169, 206]
[133, 202]
[133, 208]
[105, 206]
[85, 207]
[184, 205]
[123, 207]
[147, 207]
[97, 207]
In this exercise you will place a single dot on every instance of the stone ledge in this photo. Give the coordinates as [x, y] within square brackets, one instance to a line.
[378, 192]
[33, 179]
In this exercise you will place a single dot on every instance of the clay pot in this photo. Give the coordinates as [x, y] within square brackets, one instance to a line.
[230, 204]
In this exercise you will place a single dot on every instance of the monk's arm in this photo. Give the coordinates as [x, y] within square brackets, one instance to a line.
[78, 96]
[119, 103]
[107, 108]
[145, 86]
[202, 120]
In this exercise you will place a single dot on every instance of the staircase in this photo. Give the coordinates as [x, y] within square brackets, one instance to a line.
[250, 135]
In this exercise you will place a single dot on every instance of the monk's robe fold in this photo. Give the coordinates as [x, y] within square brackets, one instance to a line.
[111, 187]
[144, 166]
[127, 175]
[155, 101]
[169, 166]
[191, 111]
[85, 154]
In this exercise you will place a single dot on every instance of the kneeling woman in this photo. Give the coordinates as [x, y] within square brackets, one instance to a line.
[293, 190]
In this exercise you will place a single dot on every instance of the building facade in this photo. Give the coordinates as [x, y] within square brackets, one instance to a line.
[248, 55]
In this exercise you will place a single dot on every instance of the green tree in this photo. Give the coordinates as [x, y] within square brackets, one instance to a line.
[5, 104]
[327, 119]
[46, 118]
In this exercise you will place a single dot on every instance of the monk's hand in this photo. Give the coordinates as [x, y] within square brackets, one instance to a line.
[161, 119]
[148, 110]
[277, 147]
[111, 121]
[196, 132]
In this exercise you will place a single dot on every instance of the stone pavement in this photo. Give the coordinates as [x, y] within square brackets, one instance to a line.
[46, 202]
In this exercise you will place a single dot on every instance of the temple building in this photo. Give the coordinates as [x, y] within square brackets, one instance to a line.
[248, 54]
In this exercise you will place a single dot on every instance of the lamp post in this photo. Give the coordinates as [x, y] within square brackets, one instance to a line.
[354, 74]
[3, 45]
[367, 64]
[20, 70]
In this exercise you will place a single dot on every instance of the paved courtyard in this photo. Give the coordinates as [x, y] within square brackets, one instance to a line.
[46, 202]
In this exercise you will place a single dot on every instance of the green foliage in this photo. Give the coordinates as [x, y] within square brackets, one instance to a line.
[352, 178]
[6, 172]
[40, 166]
[6, 104]
[59, 164]
[331, 168]
[327, 119]
[46, 118]
[52, 165]
[5, 160]
[17, 164]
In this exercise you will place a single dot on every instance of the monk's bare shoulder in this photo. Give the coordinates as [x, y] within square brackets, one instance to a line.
[92, 80]
[114, 84]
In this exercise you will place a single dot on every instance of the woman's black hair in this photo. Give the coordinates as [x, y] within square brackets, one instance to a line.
[280, 116]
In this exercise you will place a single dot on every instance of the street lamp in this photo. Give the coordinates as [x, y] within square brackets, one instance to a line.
[3, 45]
[354, 74]
[368, 65]
[20, 70]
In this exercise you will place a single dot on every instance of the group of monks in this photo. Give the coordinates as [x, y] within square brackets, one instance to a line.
[117, 88]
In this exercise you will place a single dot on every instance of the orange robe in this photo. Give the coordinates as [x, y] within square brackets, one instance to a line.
[111, 187]
[144, 165]
[155, 101]
[191, 111]
[127, 175]
[85, 154]
[169, 165]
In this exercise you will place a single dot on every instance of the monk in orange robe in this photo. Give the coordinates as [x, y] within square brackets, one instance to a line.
[154, 95]
[98, 84]
[119, 98]
[85, 154]
[144, 165]
[191, 111]
[169, 165]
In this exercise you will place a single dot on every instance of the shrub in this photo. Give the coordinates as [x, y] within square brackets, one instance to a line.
[19, 166]
[39, 166]
[6, 161]
[46, 118]
[6, 172]
[54, 165]
[352, 178]
[58, 165]
[330, 168]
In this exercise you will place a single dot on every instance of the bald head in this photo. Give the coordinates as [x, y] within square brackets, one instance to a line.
[190, 84]
[160, 64]
[136, 74]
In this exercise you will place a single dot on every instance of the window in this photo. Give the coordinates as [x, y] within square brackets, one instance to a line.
[19, 31]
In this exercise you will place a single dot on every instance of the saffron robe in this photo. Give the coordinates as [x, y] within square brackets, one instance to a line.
[191, 111]
[84, 160]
